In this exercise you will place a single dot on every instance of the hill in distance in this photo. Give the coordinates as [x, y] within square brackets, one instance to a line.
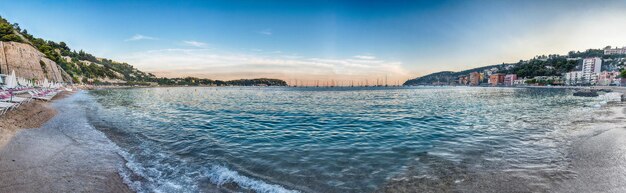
[550, 65]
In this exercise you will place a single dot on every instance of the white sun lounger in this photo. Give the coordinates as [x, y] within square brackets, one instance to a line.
[4, 107]
[46, 97]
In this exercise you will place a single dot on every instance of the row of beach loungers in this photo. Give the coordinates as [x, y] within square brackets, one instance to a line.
[9, 100]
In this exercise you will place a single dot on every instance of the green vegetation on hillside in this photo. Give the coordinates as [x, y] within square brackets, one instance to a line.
[551, 65]
[76, 64]
[6, 31]
[446, 76]
[86, 68]
[191, 81]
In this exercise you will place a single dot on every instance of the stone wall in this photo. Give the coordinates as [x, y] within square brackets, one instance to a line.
[27, 63]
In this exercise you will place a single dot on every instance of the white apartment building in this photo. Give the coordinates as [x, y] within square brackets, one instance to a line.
[519, 82]
[574, 78]
[591, 69]
[615, 51]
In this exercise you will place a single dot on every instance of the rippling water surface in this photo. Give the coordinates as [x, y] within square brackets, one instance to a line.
[330, 139]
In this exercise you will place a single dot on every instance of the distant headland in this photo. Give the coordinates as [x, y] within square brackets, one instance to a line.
[601, 67]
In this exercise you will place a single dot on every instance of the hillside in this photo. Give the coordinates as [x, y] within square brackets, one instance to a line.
[191, 81]
[82, 67]
[28, 62]
[446, 76]
[550, 65]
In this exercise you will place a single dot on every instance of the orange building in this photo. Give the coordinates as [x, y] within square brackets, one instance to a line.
[474, 79]
[496, 79]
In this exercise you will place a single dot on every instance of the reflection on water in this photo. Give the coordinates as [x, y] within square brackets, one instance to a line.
[331, 139]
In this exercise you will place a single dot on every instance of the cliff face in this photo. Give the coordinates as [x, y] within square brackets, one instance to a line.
[29, 63]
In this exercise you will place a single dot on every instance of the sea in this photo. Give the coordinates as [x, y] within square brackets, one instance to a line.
[341, 139]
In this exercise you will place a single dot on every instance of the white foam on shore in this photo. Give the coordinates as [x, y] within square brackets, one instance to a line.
[221, 175]
[606, 98]
[151, 179]
[142, 179]
[218, 175]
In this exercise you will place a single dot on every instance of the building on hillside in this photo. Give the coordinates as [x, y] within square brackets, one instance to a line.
[591, 68]
[496, 79]
[574, 78]
[520, 82]
[474, 79]
[463, 80]
[489, 72]
[509, 79]
[611, 51]
[608, 78]
[547, 80]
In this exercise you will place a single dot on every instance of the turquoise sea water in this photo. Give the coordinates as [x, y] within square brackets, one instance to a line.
[331, 139]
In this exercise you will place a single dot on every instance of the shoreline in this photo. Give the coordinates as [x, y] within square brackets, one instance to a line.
[595, 157]
[55, 150]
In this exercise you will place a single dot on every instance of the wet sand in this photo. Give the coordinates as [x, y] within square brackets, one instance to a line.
[58, 156]
[598, 158]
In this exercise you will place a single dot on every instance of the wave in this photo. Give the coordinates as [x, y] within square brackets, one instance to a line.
[142, 179]
[221, 175]
[606, 98]
[139, 179]
[160, 173]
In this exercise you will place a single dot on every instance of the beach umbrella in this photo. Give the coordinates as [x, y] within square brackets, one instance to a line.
[8, 81]
[11, 80]
[45, 84]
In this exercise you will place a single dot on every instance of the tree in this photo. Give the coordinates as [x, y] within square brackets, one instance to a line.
[11, 38]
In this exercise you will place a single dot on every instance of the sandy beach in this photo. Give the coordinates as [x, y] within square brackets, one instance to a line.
[29, 115]
[42, 152]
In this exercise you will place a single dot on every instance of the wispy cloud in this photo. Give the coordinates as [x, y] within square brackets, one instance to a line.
[138, 37]
[224, 65]
[365, 57]
[267, 32]
[196, 44]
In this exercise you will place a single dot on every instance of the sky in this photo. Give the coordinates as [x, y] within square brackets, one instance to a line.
[320, 40]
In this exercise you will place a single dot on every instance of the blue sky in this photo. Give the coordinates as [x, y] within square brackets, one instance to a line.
[310, 40]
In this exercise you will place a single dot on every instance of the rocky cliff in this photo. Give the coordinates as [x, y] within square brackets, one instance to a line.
[29, 63]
